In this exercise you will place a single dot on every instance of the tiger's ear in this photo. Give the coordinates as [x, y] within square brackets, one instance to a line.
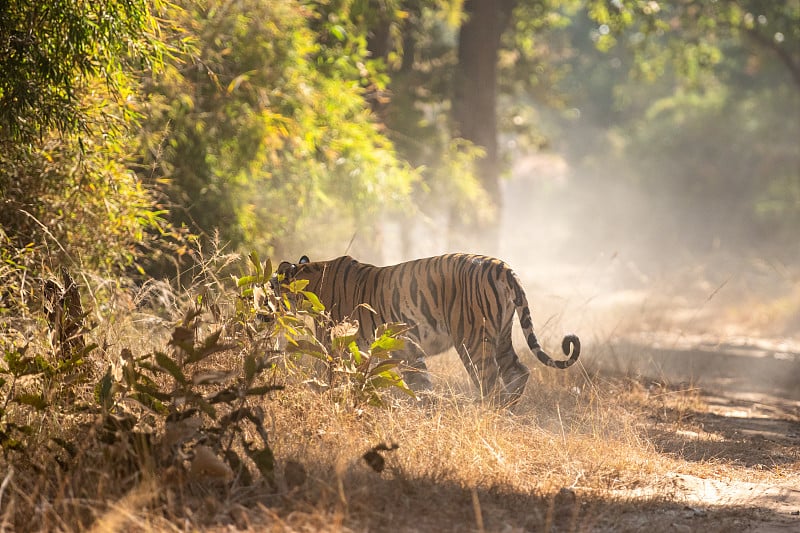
[304, 260]
[286, 269]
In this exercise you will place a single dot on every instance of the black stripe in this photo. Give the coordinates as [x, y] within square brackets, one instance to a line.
[413, 288]
[425, 309]
[525, 320]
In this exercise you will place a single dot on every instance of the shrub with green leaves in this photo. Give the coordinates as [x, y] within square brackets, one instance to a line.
[351, 372]
[193, 410]
[203, 408]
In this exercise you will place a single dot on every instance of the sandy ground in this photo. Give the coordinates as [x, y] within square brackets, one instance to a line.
[705, 336]
[752, 420]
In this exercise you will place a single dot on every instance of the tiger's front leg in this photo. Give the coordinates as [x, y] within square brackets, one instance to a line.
[416, 374]
[419, 339]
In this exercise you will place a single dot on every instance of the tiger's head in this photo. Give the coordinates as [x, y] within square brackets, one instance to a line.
[285, 273]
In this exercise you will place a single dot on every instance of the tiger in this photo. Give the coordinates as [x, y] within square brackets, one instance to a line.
[456, 300]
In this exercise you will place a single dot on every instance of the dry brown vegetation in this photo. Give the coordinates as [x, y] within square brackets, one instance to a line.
[586, 450]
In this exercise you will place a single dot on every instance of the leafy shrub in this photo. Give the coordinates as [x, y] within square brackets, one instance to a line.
[353, 374]
[190, 412]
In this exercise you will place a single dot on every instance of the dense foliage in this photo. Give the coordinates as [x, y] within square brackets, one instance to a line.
[263, 132]
[693, 106]
[67, 104]
[51, 51]
[290, 126]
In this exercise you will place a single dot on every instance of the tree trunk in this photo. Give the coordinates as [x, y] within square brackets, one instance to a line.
[475, 117]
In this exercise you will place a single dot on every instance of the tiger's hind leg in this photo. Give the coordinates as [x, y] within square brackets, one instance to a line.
[514, 373]
[478, 358]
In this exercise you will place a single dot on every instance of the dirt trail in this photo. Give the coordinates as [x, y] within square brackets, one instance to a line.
[750, 390]
[699, 491]
[741, 439]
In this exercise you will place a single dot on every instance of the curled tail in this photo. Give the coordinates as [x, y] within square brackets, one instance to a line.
[570, 343]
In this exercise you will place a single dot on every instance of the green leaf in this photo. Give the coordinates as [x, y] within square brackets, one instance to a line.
[355, 352]
[34, 400]
[307, 347]
[298, 285]
[8, 443]
[256, 262]
[250, 367]
[148, 401]
[268, 269]
[386, 343]
[388, 381]
[165, 362]
[291, 322]
[403, 386]
[102, 390]
[342, 339]
[20, 365]
[385, 366]
[339, 32]
[245, 280]
[151, 367]
[316, 305]
[76, 360]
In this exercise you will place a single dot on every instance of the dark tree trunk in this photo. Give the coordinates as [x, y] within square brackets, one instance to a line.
[475, 117]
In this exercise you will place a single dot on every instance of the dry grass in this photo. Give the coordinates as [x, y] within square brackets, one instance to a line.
[584, 450]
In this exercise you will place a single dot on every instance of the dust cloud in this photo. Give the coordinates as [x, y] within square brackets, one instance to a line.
[641, 279]
[647, 281]
[645, 284]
